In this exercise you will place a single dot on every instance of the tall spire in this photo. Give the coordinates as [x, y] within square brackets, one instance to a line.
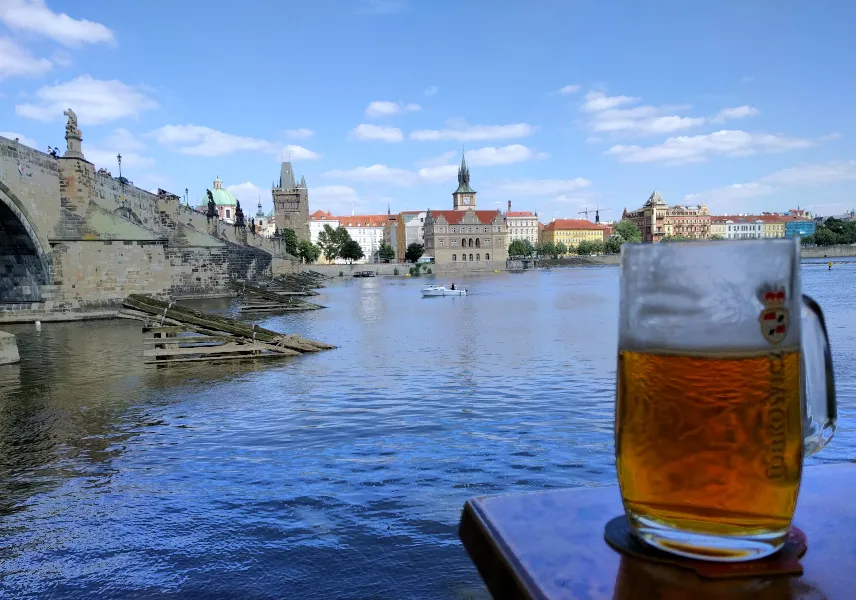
[464, 177]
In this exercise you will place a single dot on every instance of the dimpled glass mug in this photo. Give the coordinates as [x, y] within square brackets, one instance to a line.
[724, 384]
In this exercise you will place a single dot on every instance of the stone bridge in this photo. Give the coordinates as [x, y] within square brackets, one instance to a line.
[74, 241]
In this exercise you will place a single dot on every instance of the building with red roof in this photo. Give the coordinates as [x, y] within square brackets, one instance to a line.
[571, 232]
[522, 225]
[465, 234]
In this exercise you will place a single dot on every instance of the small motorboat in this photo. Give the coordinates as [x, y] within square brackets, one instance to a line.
[442, 290]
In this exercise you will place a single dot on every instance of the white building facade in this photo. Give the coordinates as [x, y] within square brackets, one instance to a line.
[744, 229]
[522, 225]
[317, 220]
[367, 231]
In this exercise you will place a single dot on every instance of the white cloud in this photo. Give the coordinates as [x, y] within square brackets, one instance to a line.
[22, 139]
[462, 132]
[432, 90]
[438, 161]
[385, 108]
[697, 148]
[61, 58]
[338, 199]
[610, 115]
[568, 90]
[375, 173]
[738, 112]
[198, 140]
[124, 140]
[105, 156]
[815, 175]
[506, 155]
[438, 174]
[808, 175]
[299, 134]
[442, 168]
[376, 132]
[33, 16]
[249, 195]
[598, 101]
[16, 61]
[539, 187]
[121, 141]
[95, 101]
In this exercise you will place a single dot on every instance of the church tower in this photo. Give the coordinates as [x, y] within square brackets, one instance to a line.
[291, 203]
[464, 198]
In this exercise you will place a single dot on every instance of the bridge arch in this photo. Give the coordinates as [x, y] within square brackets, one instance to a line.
[24, 265]
[127, 213]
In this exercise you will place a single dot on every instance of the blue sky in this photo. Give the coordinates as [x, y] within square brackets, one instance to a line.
[560, 104]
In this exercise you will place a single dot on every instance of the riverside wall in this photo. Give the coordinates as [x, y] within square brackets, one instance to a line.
[829, 251]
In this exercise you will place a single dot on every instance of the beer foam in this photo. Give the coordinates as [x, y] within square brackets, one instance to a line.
[709, 296]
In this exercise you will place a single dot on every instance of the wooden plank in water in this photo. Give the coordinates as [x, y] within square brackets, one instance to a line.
[213, 358]
[222, 349]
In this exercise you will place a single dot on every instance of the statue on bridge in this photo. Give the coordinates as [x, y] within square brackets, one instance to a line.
[73, 136]
[212, 207]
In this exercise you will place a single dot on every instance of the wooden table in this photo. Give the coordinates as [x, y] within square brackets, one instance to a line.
[549, 545]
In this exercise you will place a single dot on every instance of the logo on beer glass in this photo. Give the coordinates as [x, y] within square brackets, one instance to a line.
[774, 317]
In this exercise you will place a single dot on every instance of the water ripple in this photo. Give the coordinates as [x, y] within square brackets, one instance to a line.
[339, 475]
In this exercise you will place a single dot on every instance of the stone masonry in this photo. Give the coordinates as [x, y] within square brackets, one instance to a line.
[77, 241]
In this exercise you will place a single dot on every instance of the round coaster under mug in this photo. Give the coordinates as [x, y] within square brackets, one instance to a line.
[619, 536]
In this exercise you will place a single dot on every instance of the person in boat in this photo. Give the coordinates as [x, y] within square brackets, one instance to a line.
[453, 286]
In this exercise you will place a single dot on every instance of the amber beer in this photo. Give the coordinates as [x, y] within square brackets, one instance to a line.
[710, 443]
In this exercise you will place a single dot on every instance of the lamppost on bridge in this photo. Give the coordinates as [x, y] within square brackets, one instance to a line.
[121, 179]
[186, 200]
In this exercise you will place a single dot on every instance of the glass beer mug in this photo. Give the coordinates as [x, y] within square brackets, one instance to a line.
[724, 384]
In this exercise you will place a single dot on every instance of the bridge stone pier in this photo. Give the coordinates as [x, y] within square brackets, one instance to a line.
[75, 242]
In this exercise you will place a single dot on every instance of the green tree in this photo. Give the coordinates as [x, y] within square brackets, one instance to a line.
[825, 236]
[561, 249]
[678, 238]
[716, 237]
[289, 239]
[414, 252]
[613, 244]
[520, 248]
[539, 249]
[308, 251]
[328, 243]
[597, 247]
[332, 241]
[549, 249]
[386, 252]
[351, 251]
[628, 231]
[585, 248]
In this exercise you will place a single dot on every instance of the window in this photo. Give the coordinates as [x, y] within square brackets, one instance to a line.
[227, 213]
[478, 256]
[454, 257]
[463, 257]
[442, 243]
[487, 256]
[470, 244]
[478, 243]
[471, 256]
[463, 243]
[454, 243]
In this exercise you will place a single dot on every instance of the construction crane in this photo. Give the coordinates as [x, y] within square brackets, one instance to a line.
[596, 212]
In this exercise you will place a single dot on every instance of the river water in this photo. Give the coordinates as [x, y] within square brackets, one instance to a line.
[336, 475]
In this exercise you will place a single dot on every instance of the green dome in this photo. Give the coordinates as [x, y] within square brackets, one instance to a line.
[222, 196]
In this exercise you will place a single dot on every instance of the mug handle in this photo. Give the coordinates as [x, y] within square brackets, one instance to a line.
[819, 407]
